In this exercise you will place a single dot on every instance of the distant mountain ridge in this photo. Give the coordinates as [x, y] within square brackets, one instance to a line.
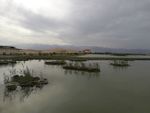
[79, 48]
[119, 50]
[7, 47]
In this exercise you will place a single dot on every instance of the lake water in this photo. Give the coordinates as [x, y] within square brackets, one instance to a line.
[113, 90]
[114, 56]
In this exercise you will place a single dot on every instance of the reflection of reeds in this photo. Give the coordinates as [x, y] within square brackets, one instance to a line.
[91, 67]
[81, 73]
[3, 62]
[78, 60]
[120, 63]
[57, 62]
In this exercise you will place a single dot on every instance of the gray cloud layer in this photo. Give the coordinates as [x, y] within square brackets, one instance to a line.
[115, 23]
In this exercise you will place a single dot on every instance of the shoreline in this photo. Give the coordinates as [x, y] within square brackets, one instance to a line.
[66, 57]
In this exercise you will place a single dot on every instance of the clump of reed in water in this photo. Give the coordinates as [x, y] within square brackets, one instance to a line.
[3, 62]
[91, 67]
[120, 63]
[24, 79]
[57, 62]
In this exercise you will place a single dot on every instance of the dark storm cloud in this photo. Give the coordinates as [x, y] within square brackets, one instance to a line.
[109, 23]
[38, 22]
[115, 21]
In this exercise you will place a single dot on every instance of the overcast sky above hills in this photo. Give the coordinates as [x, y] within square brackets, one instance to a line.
[105, 23]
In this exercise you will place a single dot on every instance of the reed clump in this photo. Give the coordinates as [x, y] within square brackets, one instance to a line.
[23, 79]
[90, 67]
[56, 62]
[120, 63]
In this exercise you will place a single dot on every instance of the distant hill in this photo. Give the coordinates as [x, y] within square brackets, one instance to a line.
[120, 50]
[79, 48]
[7, 47]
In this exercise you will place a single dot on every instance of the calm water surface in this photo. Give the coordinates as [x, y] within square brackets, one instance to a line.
[114, 56]
[113, 90]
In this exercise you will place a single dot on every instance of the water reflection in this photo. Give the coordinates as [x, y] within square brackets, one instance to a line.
[81, 73]
[8, 65]
[19, 93]
[75, 92]
[120, 68]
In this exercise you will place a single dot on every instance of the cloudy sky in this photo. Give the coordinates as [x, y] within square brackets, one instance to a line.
[104, 23]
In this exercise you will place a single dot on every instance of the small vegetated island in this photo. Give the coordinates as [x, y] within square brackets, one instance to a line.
[78, 60]
[91, 67]
[24, 80]
[5, 62]
[56, 62]
[120, 63]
